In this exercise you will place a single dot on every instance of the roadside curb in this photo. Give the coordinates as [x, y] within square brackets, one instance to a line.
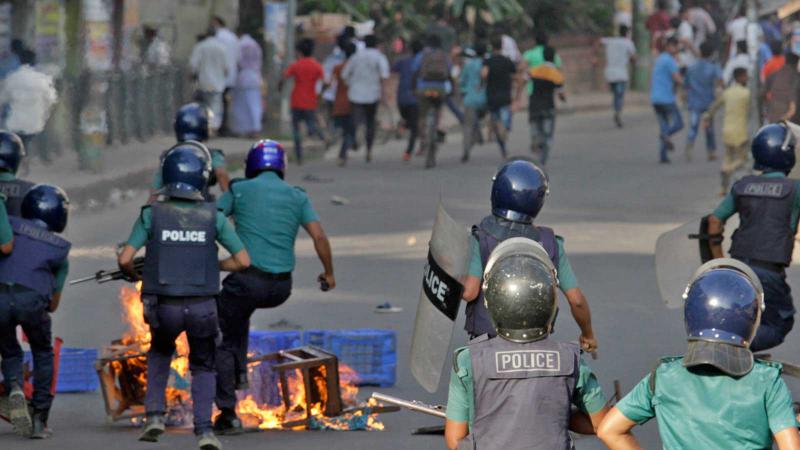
[110, 191]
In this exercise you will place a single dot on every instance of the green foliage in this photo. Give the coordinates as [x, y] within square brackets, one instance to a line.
[560, 16]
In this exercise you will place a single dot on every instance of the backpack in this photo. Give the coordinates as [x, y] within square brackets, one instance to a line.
[434, 66]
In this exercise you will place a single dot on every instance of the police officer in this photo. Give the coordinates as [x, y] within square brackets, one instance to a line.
[769, 206]
[179, 282]
[516, 390]
[192, 123]
[716, 396]
[268, 213]
[31, 279]
[12, 150]
[518, 194]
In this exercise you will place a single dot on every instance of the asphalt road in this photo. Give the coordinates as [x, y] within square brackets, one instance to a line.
[609, 199]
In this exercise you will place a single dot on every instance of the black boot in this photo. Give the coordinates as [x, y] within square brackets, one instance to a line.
[227, 423]
[40, 429]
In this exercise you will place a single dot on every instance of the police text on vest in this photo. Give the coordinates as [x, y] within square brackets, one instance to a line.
[528, 360]
[183, 236]
[764, 189]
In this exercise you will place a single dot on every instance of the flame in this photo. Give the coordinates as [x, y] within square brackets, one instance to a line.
[269, 417]
[266, 417]
[137, 338]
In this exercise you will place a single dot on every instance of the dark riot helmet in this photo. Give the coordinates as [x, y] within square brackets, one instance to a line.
[46, 205]
[518, 191]
[12, 150]
[193, 122]
[723, 305]
[185, 169]
[519, 289]
[773, 148]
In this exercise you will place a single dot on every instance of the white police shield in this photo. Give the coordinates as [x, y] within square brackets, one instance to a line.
[440, 299]
[678, 255]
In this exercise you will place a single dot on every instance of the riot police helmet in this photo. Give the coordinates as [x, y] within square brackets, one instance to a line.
[265, 155]
[723, 305]
[519, 190]
[519, 290]
[773, 148]
[185, 171]
[46, 205]
[193, 122]
[12, 150]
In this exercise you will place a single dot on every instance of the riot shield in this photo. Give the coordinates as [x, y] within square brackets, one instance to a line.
[680, 252]
[440, 299]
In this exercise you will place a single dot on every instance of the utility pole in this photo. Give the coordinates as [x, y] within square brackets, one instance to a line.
[754, 78]
[642, 41]
[291, 12]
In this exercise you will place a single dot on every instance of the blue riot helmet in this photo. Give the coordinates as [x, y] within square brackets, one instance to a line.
[12, 150]
[47, 205]
[723, 305]
[265, 155]
[193, 122]
[184, 171]
[773, 148]
[518, 191]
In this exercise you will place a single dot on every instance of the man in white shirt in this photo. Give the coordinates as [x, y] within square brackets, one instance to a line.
[620, 52]
[365, 73]
[231, 43]
[702, 23]
[686, 38]
[209, 64]
[742, 59]
[737, 31]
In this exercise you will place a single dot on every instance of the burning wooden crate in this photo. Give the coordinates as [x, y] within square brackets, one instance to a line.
[311, 394]
[122, 371]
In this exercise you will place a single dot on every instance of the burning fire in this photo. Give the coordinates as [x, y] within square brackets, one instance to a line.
[269, 417]
[136, 341]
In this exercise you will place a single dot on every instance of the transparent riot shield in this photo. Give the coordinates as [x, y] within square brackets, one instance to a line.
[440, 299]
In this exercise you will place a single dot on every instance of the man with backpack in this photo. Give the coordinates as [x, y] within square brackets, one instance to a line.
[432, 84]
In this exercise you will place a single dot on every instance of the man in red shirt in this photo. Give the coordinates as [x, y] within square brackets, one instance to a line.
[658, 24]
[776, 62]
[307, 72]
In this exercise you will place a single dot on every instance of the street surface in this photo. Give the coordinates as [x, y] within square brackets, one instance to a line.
[609, 198]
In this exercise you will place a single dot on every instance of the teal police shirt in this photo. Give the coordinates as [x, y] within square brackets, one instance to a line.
[728, 206]
[588, 397]
[226, 235]
[268, 214]
[566, 277]
[710, 410]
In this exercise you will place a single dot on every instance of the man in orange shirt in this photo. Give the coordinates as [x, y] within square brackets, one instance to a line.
[775, 63]
[306, 72]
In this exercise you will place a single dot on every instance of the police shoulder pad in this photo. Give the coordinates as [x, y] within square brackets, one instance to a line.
[299, 189]
[669, 359]
[217, 151]
[234, 181]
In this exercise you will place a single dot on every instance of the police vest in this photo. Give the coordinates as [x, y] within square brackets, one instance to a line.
[36, 257]
[523, 393]
[491, 232]
[15, 191]
[181, 258]
[765, 215]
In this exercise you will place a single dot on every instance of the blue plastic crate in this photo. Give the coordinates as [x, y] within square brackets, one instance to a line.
[264, 383]
[263, 341]
[76, 372]
[372, 354]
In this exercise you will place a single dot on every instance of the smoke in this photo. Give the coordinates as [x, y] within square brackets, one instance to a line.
[28, 96]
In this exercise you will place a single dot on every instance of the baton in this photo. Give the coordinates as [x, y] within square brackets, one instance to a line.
[412, 405]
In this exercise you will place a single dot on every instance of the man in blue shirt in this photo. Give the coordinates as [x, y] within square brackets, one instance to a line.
[268, 213]
[702, 78]
[666, 74]
[474, 97]
[406, 98]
